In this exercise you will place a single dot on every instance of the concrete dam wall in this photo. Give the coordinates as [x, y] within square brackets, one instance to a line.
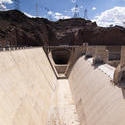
[97, 101]
[30, 93]
[27, 87]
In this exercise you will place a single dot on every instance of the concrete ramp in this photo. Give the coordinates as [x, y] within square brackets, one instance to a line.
[97, 101]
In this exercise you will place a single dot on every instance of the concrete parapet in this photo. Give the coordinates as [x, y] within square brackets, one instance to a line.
[7, 48]
[90, 51]
[4, 49]
[107, 54]
[114, 55]
[13, 48]
[100, 55]
[119, 75]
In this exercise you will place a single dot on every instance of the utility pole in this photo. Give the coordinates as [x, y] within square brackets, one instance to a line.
[76, 11]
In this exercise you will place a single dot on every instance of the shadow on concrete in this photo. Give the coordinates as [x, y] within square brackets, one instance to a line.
[97, 65]
[123, 92]
[87, 57]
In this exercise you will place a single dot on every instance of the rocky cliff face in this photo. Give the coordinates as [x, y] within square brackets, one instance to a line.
[16, 29]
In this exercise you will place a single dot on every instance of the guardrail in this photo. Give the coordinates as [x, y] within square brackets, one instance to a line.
[16, 48]
[29, 47]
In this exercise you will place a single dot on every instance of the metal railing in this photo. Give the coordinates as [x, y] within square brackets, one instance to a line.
[16, 48]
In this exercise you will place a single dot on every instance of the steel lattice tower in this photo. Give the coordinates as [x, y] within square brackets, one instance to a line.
[76, 11]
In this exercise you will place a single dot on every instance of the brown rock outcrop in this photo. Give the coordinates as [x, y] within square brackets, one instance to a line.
[16, 29]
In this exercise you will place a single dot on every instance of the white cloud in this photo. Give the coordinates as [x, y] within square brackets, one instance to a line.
[29, 15]
[2, 5]
[115, 16]
[50, 13]
[58, 16]
[74, 1]
[93, 8]
[6, 1]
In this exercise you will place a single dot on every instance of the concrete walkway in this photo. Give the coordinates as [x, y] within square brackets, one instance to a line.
[65, 105]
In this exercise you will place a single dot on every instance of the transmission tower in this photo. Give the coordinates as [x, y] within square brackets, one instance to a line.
[17, 4]
[76, 11]
[49, 13]
[85, 14]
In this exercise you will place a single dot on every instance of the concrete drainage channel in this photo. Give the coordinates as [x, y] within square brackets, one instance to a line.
[65, 112]
[65, 104]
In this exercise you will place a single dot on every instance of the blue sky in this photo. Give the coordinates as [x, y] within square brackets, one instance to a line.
[64, 8]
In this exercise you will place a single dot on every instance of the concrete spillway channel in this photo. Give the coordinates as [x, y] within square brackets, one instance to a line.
[65, 112]
[31, 94]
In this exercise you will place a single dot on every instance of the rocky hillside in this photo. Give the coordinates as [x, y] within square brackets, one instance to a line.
[16, 29]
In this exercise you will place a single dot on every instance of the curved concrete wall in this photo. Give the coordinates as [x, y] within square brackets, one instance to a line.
[97, 101]
[27, 87]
